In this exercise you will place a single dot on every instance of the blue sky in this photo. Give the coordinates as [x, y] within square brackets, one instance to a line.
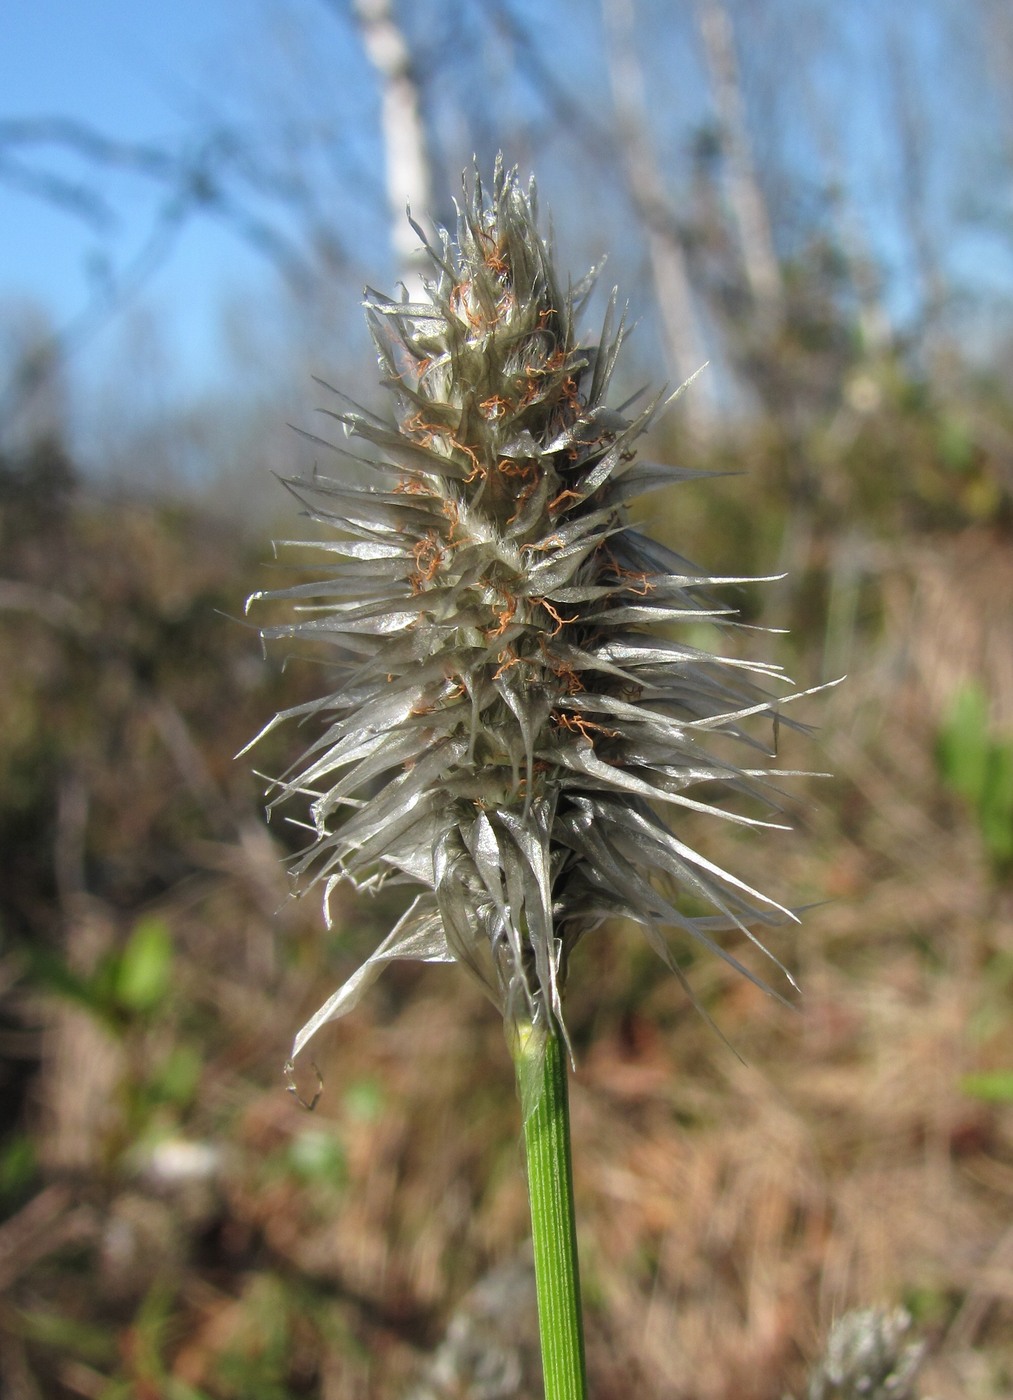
[132, 71]
[141, 71]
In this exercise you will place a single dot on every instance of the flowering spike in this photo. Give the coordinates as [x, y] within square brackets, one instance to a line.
[506, 728]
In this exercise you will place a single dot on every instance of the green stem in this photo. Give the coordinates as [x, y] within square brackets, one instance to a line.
[541, 1071]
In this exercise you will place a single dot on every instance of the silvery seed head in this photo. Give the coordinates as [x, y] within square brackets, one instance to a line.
[513, 726]
[870, 1355]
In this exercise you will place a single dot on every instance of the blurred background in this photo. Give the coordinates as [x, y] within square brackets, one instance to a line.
[816, 200]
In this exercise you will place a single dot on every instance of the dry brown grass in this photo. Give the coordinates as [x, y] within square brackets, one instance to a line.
[729, 1209]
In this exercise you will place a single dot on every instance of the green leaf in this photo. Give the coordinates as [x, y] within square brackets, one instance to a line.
[963, 749]
[993, 1086]
[997, 804]
[51, 972]
[977, 765]
[144, 971]
[18, 1165]
[317, 1155]
[176, 1080]
[56, 1332]
[364, 1100]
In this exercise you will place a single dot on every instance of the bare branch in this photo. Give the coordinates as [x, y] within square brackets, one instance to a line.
[676, 306]
[221, 175]
[749, 209]
[87, 142]
[69, 195]
[581, 124]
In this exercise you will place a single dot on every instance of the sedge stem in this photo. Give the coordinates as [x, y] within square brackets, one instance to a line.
[542, 1072]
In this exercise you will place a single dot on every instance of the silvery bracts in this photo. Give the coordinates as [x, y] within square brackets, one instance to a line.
[513, 725]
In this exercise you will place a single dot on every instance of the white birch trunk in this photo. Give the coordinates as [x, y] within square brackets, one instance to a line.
[408, 170]
[676, 307]
[748, 206]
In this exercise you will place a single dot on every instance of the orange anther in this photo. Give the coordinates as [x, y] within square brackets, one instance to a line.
[505, 616]
[577, 724]
[553, 542]
[507, 658]
[495, 406]
[559, 621]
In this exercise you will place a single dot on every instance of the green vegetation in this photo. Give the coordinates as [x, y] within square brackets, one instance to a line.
[978, 766]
